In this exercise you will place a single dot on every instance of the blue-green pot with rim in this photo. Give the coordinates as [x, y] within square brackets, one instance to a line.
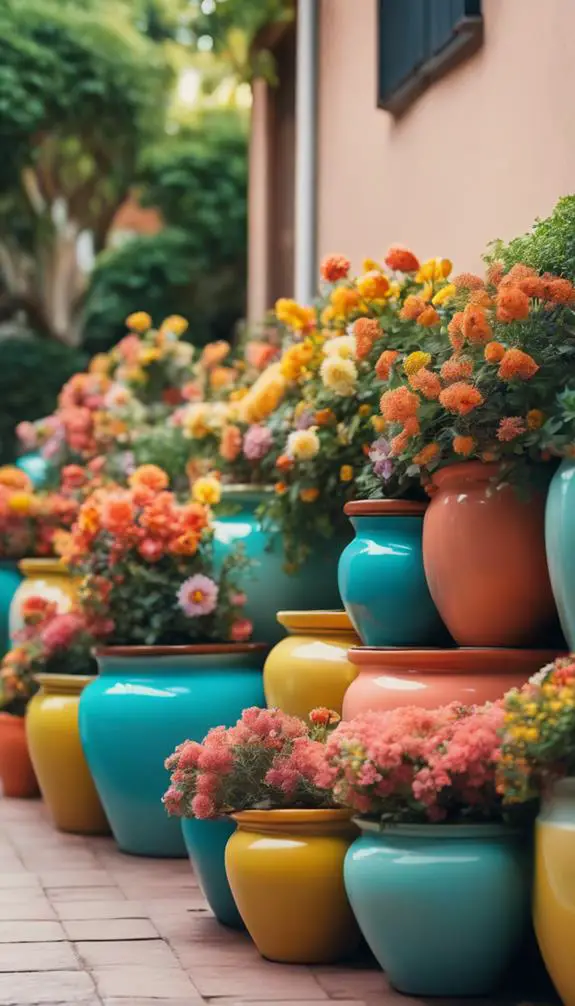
[35, 466]
[560, 545]
[10, 580]
[145, 701]
[268, 586]
[206, 845]
[444, 908]
[381, 576]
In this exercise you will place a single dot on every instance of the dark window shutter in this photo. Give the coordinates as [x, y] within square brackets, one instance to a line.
[402, 32]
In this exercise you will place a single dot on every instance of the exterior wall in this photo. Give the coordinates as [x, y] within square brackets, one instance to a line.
[258, 206]
[478, 156]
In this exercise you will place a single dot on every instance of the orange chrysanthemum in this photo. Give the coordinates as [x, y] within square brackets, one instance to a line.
[560, 291]
[468, 281]
[456, 369]
[366, 331]
[401, 260]
[512, 304]
[412, 308]
[385, 363]
[535, 419]
[398, 405]
[480, 298]
[495, 273]
[516, 274]
[463, 445]
[461, 398]
[335, 267]
[510, 428]
[455, 330]
[426, 382]
[494, 352]
[150, 476]
[428, 318]
[476, 327]
[516, 363]
[532, 286]
[427, 454]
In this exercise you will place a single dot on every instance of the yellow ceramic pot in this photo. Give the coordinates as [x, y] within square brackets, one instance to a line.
[285, 871]
[554, 895]
[57, 756]
[309, 668]
[47, 578]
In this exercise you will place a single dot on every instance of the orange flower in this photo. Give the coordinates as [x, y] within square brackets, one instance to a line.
[308, 495]
[401, 259]
[468, 281]
[222, 377]
[533, 286]
[373, 285]
[461, 398]
[284, 463]
[412, 308]
[535, 419]
[398, 405]
[280, 488]
[463, 445]
[426, 382]
[512, 304]
[455, 330]
[344, 301]
[494, 352]
[411, 426]
[366, 332]
[231, 442]
[385, 363]
[495, 273]
[335, 267]
[258, 354]
[456, 369]
[150, 476]
[214, 353]
[398, 444]
[323, 417]
[185, 544]
[476, 327]
[516, 274]
[480, 298]
[427, 454]
[516, 363]
[560, 291]
[510, 428]
[118, 513]
[428, 318]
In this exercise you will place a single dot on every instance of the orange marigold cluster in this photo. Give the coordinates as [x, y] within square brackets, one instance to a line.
[495, 273]
[335, 267]
[494, 352]
[401, 260]
[412, 308]
[456, 369]
[461, 398]
[560, 291]
[516, 363]
[512, 304]
[426, 382]
[385, 363]
[428, 318]
[366, 332]
[455, 330]
[468, 281]
[475, 325]
[427, 454]
[398, 405]
[463, 445]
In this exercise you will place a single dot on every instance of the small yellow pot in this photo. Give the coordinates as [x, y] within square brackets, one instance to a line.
[309, 668]
[554, 889]
[57, 756]
[285, 871]
[47, 578]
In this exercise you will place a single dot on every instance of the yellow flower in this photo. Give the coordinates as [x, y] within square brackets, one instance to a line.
[434, 269]
[378, 423]
[344, 301]
[346, 473]
[308, 495]
[416, 361]
[140, 321]
[149, 354]
[364, 410]
[136, 375]
[100, 364]
[207, 491]
[20, 502]
[394, 289]
[327, 315]
[175, 325]
[369, 265]
[342, 345]
[373, 285]
[264, 396]
[195, 421]
[339, 375]
[444, 295]
[303, 445]
[426, 291]
[290, 313]
[295, 359]
[444, 268]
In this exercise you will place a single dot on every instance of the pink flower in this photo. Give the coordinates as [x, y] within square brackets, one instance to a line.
[202, 806]
[198, 595]
[238, 600]
[257, 442]
[241, 630]
[151, 550]
[27, 435]
[510, 427]
[61, 630]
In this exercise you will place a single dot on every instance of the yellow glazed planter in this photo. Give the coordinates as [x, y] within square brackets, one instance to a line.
[309, 668]
[47, 578]
[57, 756]
[285, 871]
[554, 895]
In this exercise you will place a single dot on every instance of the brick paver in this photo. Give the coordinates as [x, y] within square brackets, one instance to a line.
[83, 925]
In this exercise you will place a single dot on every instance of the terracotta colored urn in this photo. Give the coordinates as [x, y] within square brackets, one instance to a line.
[484, 559]
[17, 777]
[391, 678]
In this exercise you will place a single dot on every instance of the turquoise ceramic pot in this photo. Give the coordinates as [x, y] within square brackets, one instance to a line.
[560, 545]
[206, 844]
[381, 577]
[145, 701]
[35, 467]
[10, 579]
[268, 587]
[444, 908]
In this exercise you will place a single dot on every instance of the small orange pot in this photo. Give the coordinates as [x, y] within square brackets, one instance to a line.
[16, 772]
[484, 558]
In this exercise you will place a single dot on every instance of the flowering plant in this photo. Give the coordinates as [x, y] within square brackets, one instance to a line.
[148, 569]
[31, 523]
[267, 761]
[538, 736]
[416, 765]
[49, 643]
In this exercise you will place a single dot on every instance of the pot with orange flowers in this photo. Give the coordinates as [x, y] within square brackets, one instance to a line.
[247, 796]
[171, 645]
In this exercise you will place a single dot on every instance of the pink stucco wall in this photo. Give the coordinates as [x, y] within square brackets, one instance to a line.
[478, 156]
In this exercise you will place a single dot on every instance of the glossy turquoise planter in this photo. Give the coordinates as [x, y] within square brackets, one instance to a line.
[145, 701]
[268, 587]
[10, 579]
[35, 467]
[206, 844]
[444, 908]
[381, 577]
[560, 545]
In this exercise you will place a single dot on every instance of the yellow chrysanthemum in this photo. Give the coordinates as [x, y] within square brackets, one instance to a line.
[342, 345]
[20, 502]
[416, 361]
[175, 325]
[295, 359]
[295, 315]
[444, 295]
[339, 375]
[346, 473]
[378, 423]
[140, 321]
[207, 491]
[100, 364]
[148, 355]
[264, 396]
[373, 285]
[369, 264]
[303, 445]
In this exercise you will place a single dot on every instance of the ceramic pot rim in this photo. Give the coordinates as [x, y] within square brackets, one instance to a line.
[476, 471]
[483, 660]
[72, 684]
[30, 567]
[316, 621]
[192, 650]
[385, 508]
[489, 829]
[293, 816]
[245, 489]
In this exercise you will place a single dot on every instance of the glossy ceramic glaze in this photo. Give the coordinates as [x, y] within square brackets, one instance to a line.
[443, 908]
[35, 467]
[16, 773]
[57, 756]
[560, 545]
[484, 557]
[285, 869]
[381, 578]
[268, 586]
[47, 578]
[10, 578]
[309, 668]
[145, 701]
[554, 894]
[206, 845]
[430, 678]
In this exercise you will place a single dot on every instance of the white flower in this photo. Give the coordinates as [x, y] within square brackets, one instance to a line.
[339, 375]
[342, 345]
[303, 445]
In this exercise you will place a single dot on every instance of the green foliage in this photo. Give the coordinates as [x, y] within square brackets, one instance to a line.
[32, 372]
[234, 25]
[548, 247]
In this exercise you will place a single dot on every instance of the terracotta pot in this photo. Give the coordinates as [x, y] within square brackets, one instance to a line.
[430, 678]
[484, 558]
[16, 772]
